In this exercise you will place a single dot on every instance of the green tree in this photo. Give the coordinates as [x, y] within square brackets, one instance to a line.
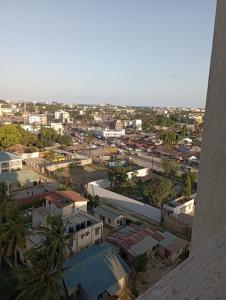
[39, 282]
[12, 236]
[65, 139]
[6, 203]
[170, 138]
[12, 134]
[158, 190]
[56, 241]
[89, 141]
[118, 177]
[170, 167]
[187, 186]
[140, 263]
[184, 131]
[47, 137]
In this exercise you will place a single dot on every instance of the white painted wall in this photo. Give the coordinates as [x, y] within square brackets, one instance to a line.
[145, 210]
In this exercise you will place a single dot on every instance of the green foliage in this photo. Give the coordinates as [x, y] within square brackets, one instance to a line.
[8, 287]
[158, 190]
[118, 177]
[94, 202]
[170, 167]
[64, 139]
[170, 138]
[187, 186]
[6, 203]
[12, 235]
[164, 121]
[184, 131]
[140, 263]
[12, 134]
[48, 136]
[42, 280]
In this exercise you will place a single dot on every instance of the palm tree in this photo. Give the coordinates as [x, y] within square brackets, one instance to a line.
[89, 140]
[56, 241]
[6, 203]
[13, 236]
[44, 279]
[38, 282]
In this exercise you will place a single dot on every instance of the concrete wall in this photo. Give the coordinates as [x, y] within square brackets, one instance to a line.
[210, 216]
[131, 205]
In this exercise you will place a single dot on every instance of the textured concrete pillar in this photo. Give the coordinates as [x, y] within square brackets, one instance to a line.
[210, 215]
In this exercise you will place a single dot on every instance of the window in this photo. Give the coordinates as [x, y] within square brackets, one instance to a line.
[97, 231]
[109, 221]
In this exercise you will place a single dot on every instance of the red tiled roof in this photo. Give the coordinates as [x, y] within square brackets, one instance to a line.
[57, 197]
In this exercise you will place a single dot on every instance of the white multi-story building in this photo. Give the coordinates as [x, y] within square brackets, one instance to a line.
[63, 116]
[135, 124]
[86, 229]
[40, 119]
[110, 133]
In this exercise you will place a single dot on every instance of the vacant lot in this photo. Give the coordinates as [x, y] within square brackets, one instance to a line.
[85, 174]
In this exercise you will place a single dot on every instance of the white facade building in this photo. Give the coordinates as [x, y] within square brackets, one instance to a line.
[182, 205]
[109, 133]
[40, 119]
[63, 116]
[86, 229]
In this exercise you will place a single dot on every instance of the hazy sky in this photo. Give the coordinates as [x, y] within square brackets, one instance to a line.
[140, 52]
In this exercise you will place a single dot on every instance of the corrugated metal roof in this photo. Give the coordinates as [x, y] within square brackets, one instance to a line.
[142, 246]
[96, 269]
[104, 211]
[172, 242]
[6, 156]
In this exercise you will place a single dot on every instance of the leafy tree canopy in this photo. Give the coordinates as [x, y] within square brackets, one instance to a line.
[158, 190]
[12, 134]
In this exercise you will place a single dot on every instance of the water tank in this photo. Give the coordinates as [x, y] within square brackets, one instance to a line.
[70, 229]
[83, 225]
[78, 226]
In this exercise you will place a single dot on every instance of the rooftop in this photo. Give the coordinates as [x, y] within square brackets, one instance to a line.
[172, 242]
[179, 201]
[81, 216]
[106, 211]
[64, 198]
[135, 239]
[96, 269]
[6, 156]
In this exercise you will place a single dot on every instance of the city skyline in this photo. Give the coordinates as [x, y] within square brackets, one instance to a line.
[145, 53]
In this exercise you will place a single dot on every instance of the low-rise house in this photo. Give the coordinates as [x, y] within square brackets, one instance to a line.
[172, 246]
[109, 216]
[95, 273]
[65, 203]
[86, 229]
[134, 241]
[9, 162]
[181, 205]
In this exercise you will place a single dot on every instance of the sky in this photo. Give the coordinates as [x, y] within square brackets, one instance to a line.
[128, 52]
